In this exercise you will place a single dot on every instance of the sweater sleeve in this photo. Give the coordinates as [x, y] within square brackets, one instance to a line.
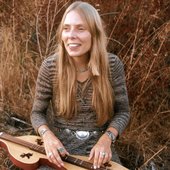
[43, 95]
[121, 108]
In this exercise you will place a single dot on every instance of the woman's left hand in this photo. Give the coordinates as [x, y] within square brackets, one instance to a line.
[101, 152]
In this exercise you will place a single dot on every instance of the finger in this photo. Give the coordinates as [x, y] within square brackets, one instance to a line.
[57, 159]
[51, 158]
[62, 151]
[91, 154]
[110, 156]
[96, 157]
[49, 155]
[101, 158]
[106, 158]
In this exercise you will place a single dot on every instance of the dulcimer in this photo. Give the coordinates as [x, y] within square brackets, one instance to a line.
[27, 152]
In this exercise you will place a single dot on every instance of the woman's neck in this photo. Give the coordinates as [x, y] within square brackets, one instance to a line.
[81, 63]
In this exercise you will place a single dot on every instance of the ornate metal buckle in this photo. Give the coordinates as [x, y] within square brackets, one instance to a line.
[82, 135]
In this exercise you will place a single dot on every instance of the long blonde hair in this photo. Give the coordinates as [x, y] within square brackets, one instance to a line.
[102, 99]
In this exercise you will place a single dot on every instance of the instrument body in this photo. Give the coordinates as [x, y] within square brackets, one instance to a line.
[30, 159]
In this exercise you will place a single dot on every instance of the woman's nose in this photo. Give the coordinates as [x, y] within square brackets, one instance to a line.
[72, 34]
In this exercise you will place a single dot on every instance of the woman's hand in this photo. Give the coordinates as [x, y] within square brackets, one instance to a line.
[101, 152]
[54, 148]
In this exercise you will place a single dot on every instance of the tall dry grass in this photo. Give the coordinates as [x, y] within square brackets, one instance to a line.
[138, 32]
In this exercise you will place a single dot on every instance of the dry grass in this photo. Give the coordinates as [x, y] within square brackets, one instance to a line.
[138, 32]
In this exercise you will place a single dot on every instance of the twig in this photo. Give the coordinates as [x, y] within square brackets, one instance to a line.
[146, 162]
[121, 14]
[21, 121]
[26, 129]
[109, 13]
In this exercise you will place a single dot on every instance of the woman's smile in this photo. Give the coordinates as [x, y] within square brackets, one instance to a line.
[73, 46]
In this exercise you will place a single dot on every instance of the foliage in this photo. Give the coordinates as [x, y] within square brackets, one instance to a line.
[138, 32]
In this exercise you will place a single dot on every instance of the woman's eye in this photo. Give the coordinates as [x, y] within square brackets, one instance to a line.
[65, 28]
[81, 28]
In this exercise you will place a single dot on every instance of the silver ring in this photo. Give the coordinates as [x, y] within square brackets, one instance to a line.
[50, 154]
[61, 150]
[103, 154]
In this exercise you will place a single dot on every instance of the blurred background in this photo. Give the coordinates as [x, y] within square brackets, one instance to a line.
[138, 32]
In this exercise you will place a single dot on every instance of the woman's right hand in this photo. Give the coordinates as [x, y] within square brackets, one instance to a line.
[54, 148]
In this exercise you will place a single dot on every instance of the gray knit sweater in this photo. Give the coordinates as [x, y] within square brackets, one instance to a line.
[86, 117]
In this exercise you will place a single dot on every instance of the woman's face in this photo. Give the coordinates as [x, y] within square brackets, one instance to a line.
[75, 35]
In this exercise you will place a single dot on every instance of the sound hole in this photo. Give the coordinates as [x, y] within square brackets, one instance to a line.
[28, 155]
[39, 142]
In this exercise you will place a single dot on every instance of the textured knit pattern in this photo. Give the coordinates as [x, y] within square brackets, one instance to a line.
[86, 117]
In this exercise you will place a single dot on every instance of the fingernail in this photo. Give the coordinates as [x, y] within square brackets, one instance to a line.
[98, 166]
[95, 167]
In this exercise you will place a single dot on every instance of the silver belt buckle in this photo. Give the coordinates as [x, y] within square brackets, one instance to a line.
[82, 135]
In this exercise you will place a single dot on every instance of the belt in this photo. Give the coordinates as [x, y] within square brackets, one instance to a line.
[81, 134]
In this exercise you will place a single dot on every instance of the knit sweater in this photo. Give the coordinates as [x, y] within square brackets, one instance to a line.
[86, 118]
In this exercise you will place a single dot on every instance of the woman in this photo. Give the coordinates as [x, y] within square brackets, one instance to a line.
[86, 88]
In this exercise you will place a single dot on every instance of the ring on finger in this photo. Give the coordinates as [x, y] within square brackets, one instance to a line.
[102, 154]
[50, 154]
[61, 150]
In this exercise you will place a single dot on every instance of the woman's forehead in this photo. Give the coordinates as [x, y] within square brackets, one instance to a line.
[74, 18]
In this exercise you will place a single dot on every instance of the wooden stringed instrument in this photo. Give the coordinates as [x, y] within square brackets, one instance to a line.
[27, 152]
